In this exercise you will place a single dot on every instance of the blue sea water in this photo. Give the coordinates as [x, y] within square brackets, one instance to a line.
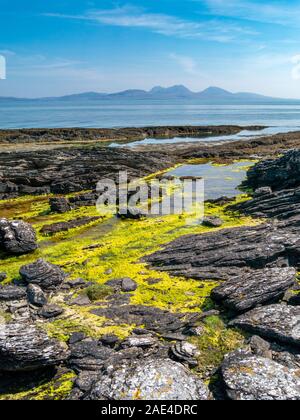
[103, 114]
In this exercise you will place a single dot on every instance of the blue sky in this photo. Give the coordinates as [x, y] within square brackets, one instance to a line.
[59, 47]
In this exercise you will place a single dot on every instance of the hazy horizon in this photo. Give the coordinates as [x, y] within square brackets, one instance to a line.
[61, 48]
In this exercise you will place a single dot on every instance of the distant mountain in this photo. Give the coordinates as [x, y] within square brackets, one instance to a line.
[211, 95]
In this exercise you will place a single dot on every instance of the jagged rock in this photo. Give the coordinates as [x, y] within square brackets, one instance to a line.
[128, 285]
[222, 254]
[276, 322]
[149, 380]
[213, 222]
[51, 311]
[185, 352]
[43, 274]
[65, 226]
[17, 237]
[3, 277]
[249, 377]
[89, 355]
[59, 205]
[25, 347]
[143, 341]
[260, 347]
[35, 295]
[259, 192]
[12, 293]
[257, 287]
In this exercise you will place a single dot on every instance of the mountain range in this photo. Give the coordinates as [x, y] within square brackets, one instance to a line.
[211, 95]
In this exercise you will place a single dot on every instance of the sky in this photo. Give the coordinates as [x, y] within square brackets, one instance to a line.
[53, 48]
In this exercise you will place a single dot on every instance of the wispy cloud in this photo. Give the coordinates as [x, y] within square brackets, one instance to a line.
[168, 25]
[282, 13]
[188, 64]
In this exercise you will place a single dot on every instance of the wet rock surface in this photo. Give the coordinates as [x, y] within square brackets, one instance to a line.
[17, 237]
[249, 377]
[149, 380]
[26, 347]
[43, 274]
[257, 287]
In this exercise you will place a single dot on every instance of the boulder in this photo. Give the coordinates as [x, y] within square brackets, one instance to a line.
[275, 322]
[128, 285]
[185, 352]
[59, 205]
[43, 274]
[51, 311]
[25, 347]
[257, 287]
[89, 355]
[36, 296]
[213, 222]
[249, 377]
[17, 237]
[10, 293]
[151, 379]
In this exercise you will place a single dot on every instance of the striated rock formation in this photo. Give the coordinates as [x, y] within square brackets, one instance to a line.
[36, 296]
[17, 237]
[257, 287]
[12, 293]
[43, 274]
[26, 347]
[249, 377]
[65, 226]
[152, 379]
[280, 323]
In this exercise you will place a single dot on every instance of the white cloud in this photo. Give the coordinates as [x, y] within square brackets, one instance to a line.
[188, 64]
[133, 17]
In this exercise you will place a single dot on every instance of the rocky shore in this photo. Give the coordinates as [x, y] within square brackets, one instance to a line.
[97, 308]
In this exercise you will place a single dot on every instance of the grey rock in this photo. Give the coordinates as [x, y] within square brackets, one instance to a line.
[260, 347]
[76, 337]
[133, 213]
[128, 285]
[89, 355]
[276, 322]
[9, 292]
[149, 380]
[259, 192]
[81, 300]
[213, 222]
[25, 347]
[59, 205]
[17, 237]
[51, 311]
[35, 295]
[249, 377]
[109, 340]
[185, 352]
[43, 274]
[248, 290]
[143, 341]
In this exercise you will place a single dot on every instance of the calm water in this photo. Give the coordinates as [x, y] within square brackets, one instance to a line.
[99, 114]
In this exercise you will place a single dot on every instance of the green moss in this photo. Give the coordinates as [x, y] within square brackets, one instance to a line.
[98, 292]
[56, 389]
[214, 343]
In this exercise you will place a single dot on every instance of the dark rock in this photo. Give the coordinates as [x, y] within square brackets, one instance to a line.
[275, 322]
[25, 347]
[43, 274]
[260, 347]
[133, 213]
[17, 237]
[65, 226]
[139, 380]
[51, 311]
[143, 341]
[262, 191]
[249, 377]
[3, 277]
[12, 293]
[213, 222]
[185, 352]
[257, 287]
[109, 340]
[59, 205]
[89, 355]
[77, 283]
[35, 295]
[76, 337]
[81, 300]
[128, 285]
[86, 380]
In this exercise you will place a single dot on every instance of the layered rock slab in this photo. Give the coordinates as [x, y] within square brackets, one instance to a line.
[17, 237]
[42, 273]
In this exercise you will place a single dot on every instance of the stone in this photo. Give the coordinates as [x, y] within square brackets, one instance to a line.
[81, 300]
[59, 205]
[260, 347]
[76, 337]
[51, 311]
[11, 293]
[249, 377]
[35, 295]
[3, 277]
[17, 237]
[213, 222]
[109, 340]
[133, 213]
[152, 379]
[42, 273]
[25, 347]
[65, 226]
[185, 352]
[89, 355]
[128, 285]
[143, 341]
[257, 287]
[275, 322]
[259, 192]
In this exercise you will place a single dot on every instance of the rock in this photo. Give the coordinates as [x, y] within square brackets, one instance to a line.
[143, 341]
[149, 380]
[133, 213]
[128, 285]
[35, 295]
[65, 226]
[89, 355]
[275, 322]
[185, 352]
[59, 205]
[77, 284]
[51, 311]
[8, 293]
[262, 191]
[81, 300]
[43, 274]
[17, 237]
[260, 347]
[25, 347]
[249, 377]
[213, 222]
[244, 292]
[109, 340]
[85, 380]
[76, 337]
[3, 277]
